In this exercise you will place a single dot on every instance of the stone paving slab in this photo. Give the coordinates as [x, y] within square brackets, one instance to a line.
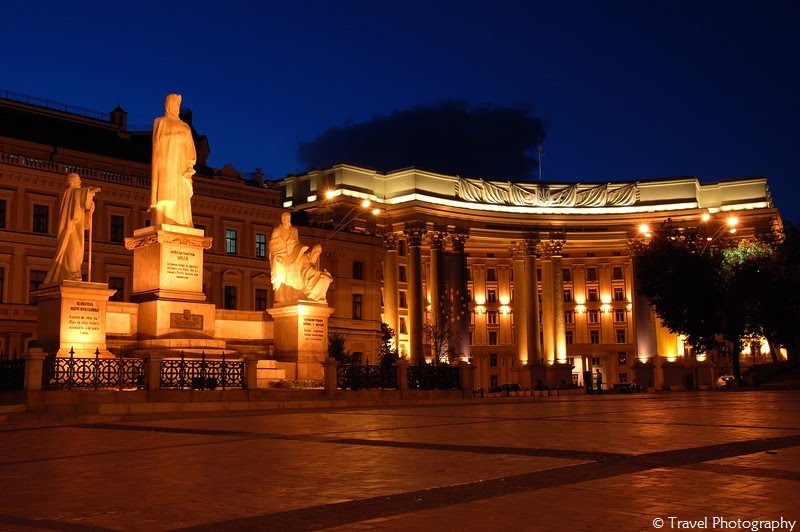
[582, 463]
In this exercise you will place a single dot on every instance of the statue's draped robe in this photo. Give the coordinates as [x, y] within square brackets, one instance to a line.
[75, 219]
[315, 281]
[284, 243]
[174, 157]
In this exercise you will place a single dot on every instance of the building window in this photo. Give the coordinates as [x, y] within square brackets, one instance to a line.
[493, 381]
[41, 219]
[568, 316]
[118, 284]
[2, 214]
[469, 295]
[594, 316]
[619, 315]
[566, 275]
[539, 274]
[261, 245]
[511, 275]
[620, 336]
[493, 338]
[2, 282]
[569, 337]
[616, 273]
[491, 296]
[36, 280]
[401, 248]
[230, 241]
[491, 317]
[491, 274]
[594, 337]
[356, 306]
[595, 361]
[472, 317]
[591, 294]
[117, 228]
[619, 294]
[622, 358]
[261, 299]
[469, 274]
[358, 270]
[623, 377]
[492, 360]
[402, 274]
[403, 300]
[230, 298]
[567, 295]
[591, 274]
[403, 328]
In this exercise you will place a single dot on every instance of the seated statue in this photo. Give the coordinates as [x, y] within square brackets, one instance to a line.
[315, 281]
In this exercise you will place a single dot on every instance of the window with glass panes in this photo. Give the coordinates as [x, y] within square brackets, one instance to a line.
[118, 284]
[619, 294]
[357, 306]
[493, 338]
[619, 315]
[621, 336]
[230, 298]
[2, 213]
[358, 270]
[591, 274]
[616, 273]
[41, 219]
[117, 228]
[261, 299]
[261, 245]
[491, 274]
[491, 317]
[230, 241]
[594, 336]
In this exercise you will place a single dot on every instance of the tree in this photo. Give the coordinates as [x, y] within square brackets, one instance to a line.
[338, 350]
[452, 138]
[443, 341]
[387, 353]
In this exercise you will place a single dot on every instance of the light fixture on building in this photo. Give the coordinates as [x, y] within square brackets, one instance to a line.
[504, 300]
[366, 203]
[705, 217]
[505, 310]
[580, 308]
[480, 309]
[733, 221]
[376, 212]
[480, 300]
[644, 229]
[330, 194]
[605, 307]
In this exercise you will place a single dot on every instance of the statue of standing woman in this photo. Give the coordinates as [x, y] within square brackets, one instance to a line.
[77, 206]
[174, 157]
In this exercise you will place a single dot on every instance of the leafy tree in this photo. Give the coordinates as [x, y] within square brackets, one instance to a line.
[338, 350]
[388, 355]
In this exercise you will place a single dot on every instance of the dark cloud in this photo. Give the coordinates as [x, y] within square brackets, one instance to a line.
[453, 137]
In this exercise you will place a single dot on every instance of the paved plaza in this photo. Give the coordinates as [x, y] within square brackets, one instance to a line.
[570, 463]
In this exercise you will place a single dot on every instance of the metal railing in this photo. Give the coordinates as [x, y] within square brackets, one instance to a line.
[50, 104]
[429, 377]
[93, 373]
[201, 374]
[12, 373]
[362, 377]
[61, 168]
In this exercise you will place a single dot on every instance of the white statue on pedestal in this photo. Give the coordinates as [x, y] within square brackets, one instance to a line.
[174, 157]
[77, 206]
[293, 270]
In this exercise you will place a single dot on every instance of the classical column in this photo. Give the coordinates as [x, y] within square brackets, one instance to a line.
[532, 302]
[644, 330]
[416, 303]
[548, 323]
[559, 329]
[522, 293]
[460, 313]
[390, 285]
[435, 240]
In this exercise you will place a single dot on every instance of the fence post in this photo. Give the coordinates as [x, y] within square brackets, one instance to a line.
[329, 366]
[250, 372]
[402, 375]
[153, 372]
[34, 365]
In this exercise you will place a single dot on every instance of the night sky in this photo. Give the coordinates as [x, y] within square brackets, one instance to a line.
[630, 90]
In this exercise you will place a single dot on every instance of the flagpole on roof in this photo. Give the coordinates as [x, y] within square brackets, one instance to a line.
[541, 153]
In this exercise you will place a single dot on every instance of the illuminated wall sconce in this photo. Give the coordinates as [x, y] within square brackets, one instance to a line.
[504, 300]
[480, 309]
[644, 359]
[580, 308]
[672, 359]
[629, 306]
[702, 357]
[505, 310]
[287, 204]
[480, 300]
[605, 307]
[331, 194]
[606, 300]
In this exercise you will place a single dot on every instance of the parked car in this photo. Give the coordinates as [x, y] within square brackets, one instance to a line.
[506, 388]
[724, 382]
[626, 387]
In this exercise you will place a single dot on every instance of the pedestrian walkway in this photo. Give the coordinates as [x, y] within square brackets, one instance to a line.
[569, 463]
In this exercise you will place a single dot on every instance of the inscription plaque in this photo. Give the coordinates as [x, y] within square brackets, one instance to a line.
[185, 320]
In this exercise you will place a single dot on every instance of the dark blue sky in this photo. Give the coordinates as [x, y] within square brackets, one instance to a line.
[630, 89]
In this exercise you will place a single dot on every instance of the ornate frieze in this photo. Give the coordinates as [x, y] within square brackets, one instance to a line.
[415, 235]
[533, 195]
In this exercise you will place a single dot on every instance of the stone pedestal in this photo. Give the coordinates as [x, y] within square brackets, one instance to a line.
[301, 337]
[538, 374]
[168, 285]
[72, 315]
[674, 375]
[644, 374]
[559, 374]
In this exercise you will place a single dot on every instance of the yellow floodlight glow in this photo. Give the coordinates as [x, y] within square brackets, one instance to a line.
[733, 230]
[732, 221]
[705, 217]
[505, 310]
[580, 308]
[644, 228]
[366, 203]
[376, 212]
[480, 309]
[480, 300]
[504, 300]
[330, 194]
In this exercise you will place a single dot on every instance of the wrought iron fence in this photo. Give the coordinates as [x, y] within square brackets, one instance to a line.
[201, 374]
[12, 373]
[428, 377]
[93, 373]
[362, 377]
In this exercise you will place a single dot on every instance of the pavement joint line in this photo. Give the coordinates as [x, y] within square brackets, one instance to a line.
[48, 524]
[747, 471]
[343, 513]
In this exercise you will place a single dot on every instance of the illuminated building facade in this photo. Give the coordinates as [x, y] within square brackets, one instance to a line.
[532, 274]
